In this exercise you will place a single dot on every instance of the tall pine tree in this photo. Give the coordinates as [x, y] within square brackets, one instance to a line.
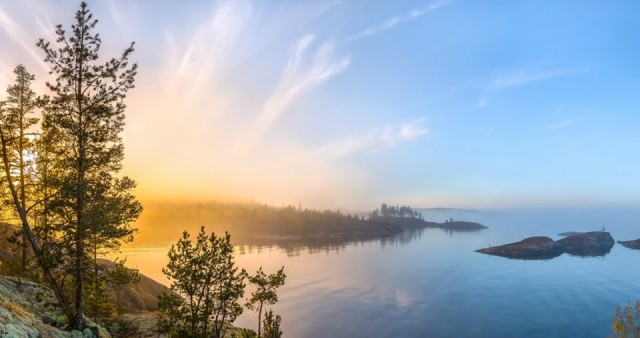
[17, 120]
[16, 151]
[93, 208]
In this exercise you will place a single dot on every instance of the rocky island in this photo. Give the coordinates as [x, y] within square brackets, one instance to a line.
[418, 223]
[634, 244]
[538, 247]
[595, 243]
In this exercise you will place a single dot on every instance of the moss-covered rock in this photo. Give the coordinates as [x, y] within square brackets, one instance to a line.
[28, 309]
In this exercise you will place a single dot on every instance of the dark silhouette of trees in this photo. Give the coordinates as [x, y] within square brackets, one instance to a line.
[14, 147]
[272, 325]
[118, 278]
[91, 208]
[205, 287]
[62, 180]
[265, 293]
[16, 119]
[397, 211]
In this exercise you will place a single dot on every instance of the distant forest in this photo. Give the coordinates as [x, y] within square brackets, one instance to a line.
[397, 211]
[247, 221]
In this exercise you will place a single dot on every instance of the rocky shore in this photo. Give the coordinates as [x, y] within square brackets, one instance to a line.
[29, 309]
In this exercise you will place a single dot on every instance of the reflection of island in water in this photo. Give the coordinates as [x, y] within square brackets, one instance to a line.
[293, 229]
[587, 244]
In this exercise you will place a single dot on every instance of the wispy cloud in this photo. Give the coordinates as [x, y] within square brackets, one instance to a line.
[304, 70]
[374, 141]
[568, 122]
[24, 40]
[116, 9]
[527, 75]
[198, 60]
[396, 20]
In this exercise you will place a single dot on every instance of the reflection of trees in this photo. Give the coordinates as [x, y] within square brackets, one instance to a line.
[404, 238]
[255, 227]
[295, 247]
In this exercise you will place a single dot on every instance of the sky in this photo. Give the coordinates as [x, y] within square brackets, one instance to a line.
[350, 103]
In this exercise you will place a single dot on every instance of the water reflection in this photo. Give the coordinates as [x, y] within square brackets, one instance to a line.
[293, 247]
[421, 283]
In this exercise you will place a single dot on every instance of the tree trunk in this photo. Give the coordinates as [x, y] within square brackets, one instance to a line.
[79, 317]
[23, 199]
[259, 320]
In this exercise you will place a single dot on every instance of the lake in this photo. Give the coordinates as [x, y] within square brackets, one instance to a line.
[431, 283]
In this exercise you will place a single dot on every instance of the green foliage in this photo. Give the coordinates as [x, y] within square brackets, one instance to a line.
[272, 325]
[397, 211]
[16, 121]
[99, 303]
[626, 322]
[265, 293]
[118, 278]
[205, 287]
[169, 312]
[245, 333]
[63, 179]
[88, 209]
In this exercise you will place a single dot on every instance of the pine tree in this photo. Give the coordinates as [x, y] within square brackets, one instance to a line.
[272, 325]
[16, 150]
[265, 292]
[205, 287]
[17, 121]
[92, 208]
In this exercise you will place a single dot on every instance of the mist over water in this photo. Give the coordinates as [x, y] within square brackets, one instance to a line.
[430, 282]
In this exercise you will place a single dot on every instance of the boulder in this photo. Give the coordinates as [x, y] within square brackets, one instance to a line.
[538, 247]
[594, 243]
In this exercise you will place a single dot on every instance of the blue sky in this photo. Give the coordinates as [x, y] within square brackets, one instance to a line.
[351, 103]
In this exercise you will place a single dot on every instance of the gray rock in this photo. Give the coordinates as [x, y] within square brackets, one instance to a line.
[538, 247]
[635, 244]
[594, 243]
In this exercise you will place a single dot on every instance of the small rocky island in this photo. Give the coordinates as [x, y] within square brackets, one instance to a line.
[461, 226]
[595, 243]
[634, 244]
[418, 223]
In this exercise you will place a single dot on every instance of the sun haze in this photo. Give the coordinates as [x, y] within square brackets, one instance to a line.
[349, 103]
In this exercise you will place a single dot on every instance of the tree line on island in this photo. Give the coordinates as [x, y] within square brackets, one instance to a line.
[397, 211]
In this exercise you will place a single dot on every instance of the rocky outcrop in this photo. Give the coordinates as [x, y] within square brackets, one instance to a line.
[595, 243]
[539, 247]
[140, 297]
[411, 223]
[145, 325]
[635, 244]
[569, 233]
[462, 226]
[28, 309]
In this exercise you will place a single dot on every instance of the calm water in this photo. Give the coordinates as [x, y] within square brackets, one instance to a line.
[431, 284]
